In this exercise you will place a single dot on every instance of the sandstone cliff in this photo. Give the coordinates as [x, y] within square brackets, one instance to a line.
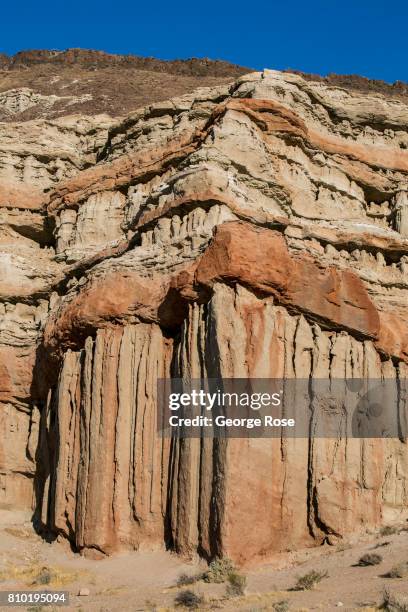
[258, 228]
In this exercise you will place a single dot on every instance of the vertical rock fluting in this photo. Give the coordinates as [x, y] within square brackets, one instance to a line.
[253, 230]
[115, 483]
[250, 497]
[107, 486]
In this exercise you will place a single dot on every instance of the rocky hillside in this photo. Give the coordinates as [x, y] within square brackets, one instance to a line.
[41, 84]
[257, 228]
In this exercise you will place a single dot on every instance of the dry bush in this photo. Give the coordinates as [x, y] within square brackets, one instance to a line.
[370, 559]
[186, 579]
[392, 603]
[388, 530]
[309, 580]
[219, 570]
[281, 606]
[381, 545]
[236, 584]
[189, 599]
[398, 571]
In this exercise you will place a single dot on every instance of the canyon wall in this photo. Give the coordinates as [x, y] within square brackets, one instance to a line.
[255, 229]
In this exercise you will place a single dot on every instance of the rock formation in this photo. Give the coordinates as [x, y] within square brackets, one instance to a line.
[253, 229]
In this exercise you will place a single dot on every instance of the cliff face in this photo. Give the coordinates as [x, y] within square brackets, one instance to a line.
[253, 229]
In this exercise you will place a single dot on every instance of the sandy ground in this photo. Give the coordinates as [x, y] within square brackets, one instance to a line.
[148, 581]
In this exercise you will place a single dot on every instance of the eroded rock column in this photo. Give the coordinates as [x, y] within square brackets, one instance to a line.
[108, 481]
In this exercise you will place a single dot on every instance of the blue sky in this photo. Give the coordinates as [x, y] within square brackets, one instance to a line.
[343, 36]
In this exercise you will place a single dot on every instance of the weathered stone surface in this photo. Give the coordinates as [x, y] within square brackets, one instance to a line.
[106, 407]
[264, 495]
[248, 230]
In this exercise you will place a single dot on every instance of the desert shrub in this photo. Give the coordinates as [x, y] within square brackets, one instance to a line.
[236, 584]
[186, 579]
[219, 570]
[398, 571]
[391, 603]
[188, 599]
[388, 530]
[370, 559]
[281, 606]
[381, 545]
[309, 580]
[44, 576]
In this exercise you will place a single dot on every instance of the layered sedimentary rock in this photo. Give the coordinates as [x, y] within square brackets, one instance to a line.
[257, 229]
